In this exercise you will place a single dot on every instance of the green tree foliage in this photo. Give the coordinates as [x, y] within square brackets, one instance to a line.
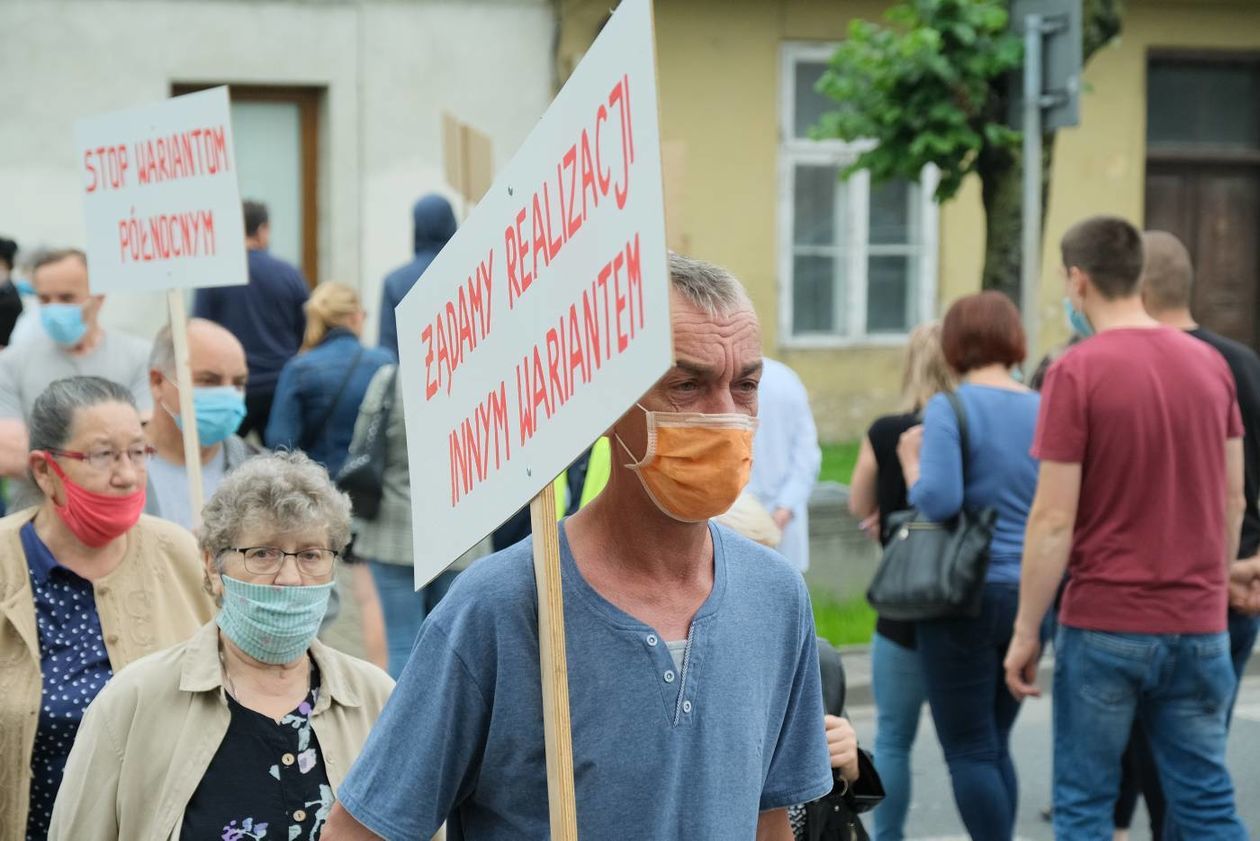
[932, 87]
[925, 93]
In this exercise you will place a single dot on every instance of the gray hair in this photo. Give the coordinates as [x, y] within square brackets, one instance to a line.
[162, 356]
[52, 416]
[284, 490]
[711, 288]
[48, 256]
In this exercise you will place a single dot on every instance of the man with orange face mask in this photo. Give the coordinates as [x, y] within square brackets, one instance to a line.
[693, 669]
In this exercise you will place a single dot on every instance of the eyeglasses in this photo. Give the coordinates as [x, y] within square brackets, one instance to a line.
[269, 560]
[106, 459]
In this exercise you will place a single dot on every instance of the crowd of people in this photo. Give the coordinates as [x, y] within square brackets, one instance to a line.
[164, 675]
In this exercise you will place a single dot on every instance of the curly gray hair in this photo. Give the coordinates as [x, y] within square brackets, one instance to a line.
[284, 490]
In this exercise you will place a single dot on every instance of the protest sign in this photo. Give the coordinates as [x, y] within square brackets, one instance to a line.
[547, 314]
[160, 198]
[536, 327]
[162, 210]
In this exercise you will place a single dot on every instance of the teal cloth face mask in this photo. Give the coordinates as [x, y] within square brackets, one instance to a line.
[1077, 322]
[63, 323]
[272, 624]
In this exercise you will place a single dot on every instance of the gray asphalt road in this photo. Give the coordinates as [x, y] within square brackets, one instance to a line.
[932, 812]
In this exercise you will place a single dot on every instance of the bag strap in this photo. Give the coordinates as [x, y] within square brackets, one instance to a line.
[380, 449]
[341, 389]
[387, 399]
[964, 441]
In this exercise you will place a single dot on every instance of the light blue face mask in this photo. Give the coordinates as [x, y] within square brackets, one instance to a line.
[63, 322]
[272, 624]
[1077, 322]
[220, 410]
[23, 287]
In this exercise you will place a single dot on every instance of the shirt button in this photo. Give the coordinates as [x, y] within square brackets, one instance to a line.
[686, 706]
[102, 590]
[287, 759]
[299, 815]
[669, 676]
[111, 639]
[651, 639]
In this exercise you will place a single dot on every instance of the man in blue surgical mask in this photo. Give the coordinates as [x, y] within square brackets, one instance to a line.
[219, 374]
[70, 342]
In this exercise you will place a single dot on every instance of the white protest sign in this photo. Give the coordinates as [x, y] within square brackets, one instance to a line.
[547, 315]
[160, 196]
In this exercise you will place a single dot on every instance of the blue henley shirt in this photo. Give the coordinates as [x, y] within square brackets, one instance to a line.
[660, 750]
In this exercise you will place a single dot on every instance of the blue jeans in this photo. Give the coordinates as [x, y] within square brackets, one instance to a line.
[1242, 639]
[1180, 686]
[897, 679]
[974, 711]
[405, 607]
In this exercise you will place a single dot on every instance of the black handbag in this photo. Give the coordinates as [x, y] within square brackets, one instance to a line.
[934, 570]
[834, 817]
[363, 473]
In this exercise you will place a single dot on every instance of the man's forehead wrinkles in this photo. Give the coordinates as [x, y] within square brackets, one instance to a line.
[708, 331]
[692, 364]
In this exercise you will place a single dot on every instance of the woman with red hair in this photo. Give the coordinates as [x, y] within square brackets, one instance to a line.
[962, 656]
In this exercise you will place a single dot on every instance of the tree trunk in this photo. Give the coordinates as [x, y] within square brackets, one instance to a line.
[1002, 190]
[1001, 174]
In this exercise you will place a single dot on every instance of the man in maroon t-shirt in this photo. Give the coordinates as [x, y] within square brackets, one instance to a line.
[1140, 499]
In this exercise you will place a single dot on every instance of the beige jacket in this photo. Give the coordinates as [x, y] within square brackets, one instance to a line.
[148, 738]
[153, 600]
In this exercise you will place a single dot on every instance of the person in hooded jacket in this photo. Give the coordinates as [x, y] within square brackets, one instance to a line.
[434, 222]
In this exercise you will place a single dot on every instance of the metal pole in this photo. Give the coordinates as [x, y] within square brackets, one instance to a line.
[1031, 263]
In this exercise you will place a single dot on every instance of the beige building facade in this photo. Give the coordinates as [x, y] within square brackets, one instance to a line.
[1169, 136]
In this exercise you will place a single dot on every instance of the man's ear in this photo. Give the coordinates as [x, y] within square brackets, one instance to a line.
[1077, 282]
[92, 307]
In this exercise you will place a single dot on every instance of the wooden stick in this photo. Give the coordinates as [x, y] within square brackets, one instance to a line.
[555, 671]
[187, 411]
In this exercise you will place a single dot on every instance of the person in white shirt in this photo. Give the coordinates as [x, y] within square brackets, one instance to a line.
[786, 458]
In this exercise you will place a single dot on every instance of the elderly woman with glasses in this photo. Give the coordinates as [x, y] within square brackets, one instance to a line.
[244, 731]
[87, 585]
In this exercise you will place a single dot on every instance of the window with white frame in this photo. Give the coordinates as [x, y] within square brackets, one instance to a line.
[857, 261]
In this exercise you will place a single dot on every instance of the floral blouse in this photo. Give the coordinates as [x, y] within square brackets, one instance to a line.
[267, 780]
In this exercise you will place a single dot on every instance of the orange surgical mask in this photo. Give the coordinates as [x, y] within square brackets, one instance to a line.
[696, 464]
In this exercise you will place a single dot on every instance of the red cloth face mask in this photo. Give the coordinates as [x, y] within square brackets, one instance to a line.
[96, 519]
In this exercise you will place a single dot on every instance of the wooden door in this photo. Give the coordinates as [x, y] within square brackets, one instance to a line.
[1214, 208]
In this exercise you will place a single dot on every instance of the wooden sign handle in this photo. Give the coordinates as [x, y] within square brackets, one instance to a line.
[555, 671]
[187, 411]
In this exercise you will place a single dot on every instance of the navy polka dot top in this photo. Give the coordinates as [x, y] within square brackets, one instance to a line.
[74, 665]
